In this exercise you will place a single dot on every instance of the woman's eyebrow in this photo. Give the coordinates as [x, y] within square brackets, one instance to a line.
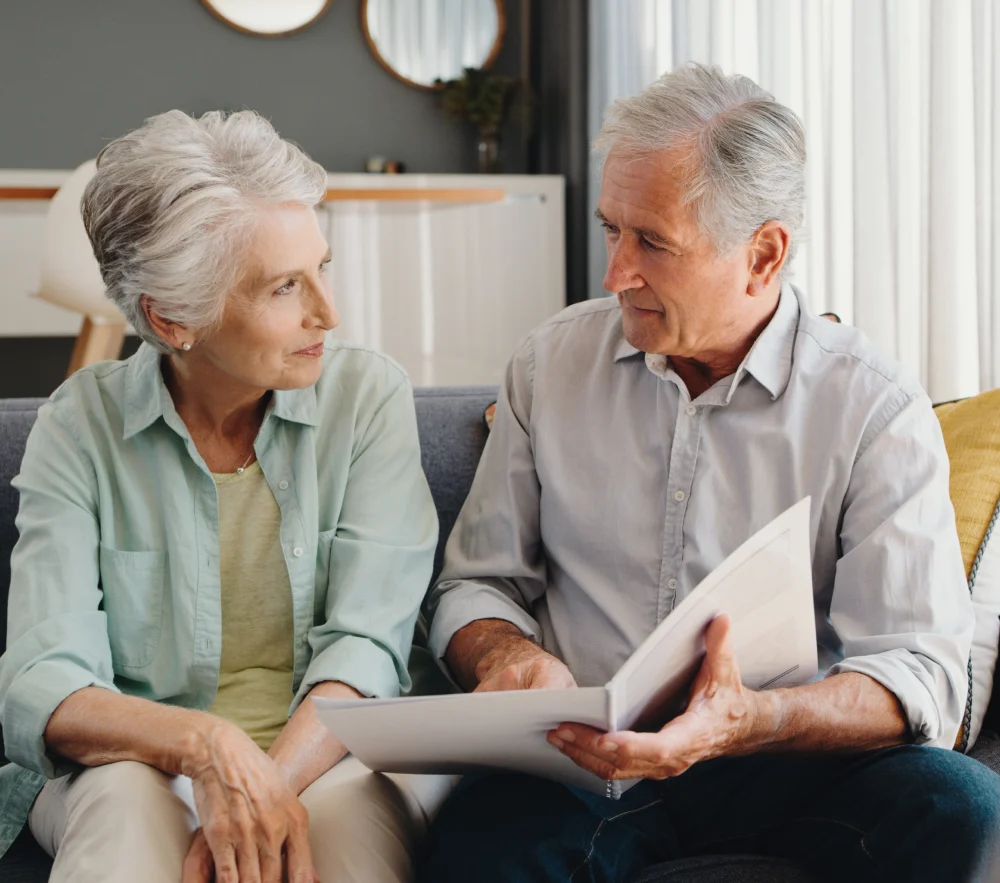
[328, 256]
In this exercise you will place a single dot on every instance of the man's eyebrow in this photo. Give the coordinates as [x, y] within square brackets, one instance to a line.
[645, 232]
[653, 235]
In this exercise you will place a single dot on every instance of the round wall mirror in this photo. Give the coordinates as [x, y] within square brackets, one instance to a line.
[420, 41]
[268, 18]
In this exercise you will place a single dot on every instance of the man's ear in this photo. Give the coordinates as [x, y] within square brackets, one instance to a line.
[768, 254]
[170, 332]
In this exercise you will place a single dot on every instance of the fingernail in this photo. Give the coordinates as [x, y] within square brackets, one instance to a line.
[555, 740]
[609, 746]
[567, 735]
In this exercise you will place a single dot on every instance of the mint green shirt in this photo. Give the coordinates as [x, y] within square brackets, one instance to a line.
[115, 578]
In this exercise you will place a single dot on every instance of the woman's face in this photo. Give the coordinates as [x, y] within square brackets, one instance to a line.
[273, 327]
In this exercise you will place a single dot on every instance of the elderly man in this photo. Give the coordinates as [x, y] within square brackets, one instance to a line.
[638, 441]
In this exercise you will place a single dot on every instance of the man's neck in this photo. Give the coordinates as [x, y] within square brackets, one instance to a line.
[701, 374]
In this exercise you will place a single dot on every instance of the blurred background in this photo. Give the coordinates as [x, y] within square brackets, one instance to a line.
[456, 136]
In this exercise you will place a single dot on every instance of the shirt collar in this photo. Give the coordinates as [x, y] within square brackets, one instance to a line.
[147, 398]
[144, 391]
[770, 358]
[297, 405]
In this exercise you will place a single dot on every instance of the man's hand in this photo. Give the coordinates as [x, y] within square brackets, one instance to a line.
[722, 717]
[254, 829]
[519, 664]
[493, 654]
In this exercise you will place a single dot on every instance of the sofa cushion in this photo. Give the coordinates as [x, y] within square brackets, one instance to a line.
[452, 436]
[972, 435]
[17, 416]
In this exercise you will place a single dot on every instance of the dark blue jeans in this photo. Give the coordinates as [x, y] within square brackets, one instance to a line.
[901, 815]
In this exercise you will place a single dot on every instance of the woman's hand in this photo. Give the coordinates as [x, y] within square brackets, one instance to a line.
[254, 829]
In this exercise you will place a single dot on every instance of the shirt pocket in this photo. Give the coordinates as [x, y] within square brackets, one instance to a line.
[132, 583]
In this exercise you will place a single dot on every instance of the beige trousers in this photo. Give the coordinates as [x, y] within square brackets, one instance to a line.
[126, 822]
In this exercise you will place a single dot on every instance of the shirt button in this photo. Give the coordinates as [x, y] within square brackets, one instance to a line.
[283, 485]
[297, 551]
[671, 584]
[305, 640]
[690, 410]
[679, 496]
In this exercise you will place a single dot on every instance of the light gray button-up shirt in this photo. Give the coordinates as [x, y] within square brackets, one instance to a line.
[605, 495]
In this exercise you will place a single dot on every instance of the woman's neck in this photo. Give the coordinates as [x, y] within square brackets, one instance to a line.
[211, 404]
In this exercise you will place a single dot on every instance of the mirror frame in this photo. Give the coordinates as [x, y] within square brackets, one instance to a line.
[210, 6]
[491, 58]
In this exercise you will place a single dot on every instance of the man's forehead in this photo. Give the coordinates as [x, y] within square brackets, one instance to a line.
[641, 199]
[648, 180]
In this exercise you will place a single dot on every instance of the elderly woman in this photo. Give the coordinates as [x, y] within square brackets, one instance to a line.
[230, 522]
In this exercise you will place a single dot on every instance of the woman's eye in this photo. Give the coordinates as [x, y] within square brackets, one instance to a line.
[324, 267]
[286, 288]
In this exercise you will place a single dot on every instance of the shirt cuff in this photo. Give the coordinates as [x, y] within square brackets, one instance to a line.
[357, 662]
[464, 601]
[33, 697]
[901, 673]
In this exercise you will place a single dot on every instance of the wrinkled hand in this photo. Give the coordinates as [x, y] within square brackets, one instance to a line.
[520, 664]
[255, 830]
[722, 717]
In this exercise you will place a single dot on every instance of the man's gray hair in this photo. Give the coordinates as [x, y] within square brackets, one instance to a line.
[748, 155]
[172, 209]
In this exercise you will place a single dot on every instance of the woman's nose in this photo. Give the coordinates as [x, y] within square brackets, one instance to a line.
[325, 314]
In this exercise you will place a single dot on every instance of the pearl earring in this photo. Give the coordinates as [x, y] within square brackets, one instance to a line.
[186, 347]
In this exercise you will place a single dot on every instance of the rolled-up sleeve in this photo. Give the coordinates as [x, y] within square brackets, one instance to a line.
[57, 639]
[901, 605]
[494, 566]
[381, 558]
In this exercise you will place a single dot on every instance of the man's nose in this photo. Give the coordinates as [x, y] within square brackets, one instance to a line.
[621, 273]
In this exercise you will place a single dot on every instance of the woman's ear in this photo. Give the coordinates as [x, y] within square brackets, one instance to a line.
[170, 332]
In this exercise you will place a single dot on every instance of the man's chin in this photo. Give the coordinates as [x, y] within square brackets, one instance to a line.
[644, 338]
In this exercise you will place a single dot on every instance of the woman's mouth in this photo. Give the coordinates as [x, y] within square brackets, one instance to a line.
[312, 352]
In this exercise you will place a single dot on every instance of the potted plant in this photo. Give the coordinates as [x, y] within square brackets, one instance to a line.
[482, 98]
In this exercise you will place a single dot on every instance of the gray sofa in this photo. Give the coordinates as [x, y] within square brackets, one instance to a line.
[452, 435]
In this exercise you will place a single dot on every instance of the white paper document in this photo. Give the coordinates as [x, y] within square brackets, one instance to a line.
[765, 587]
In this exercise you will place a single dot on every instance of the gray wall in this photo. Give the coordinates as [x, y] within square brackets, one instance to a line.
[75, 74]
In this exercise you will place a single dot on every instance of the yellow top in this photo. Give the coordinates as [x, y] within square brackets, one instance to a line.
[258, 634]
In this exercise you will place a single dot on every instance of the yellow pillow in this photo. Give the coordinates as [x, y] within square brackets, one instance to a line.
[972, 435]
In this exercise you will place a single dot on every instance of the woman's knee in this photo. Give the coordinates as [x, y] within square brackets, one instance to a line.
[361, 828]
[122, 821]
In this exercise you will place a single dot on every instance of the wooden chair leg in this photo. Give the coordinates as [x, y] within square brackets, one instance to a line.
[96, 342]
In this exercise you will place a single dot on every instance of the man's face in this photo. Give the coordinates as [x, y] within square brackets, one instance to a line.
[678, 296]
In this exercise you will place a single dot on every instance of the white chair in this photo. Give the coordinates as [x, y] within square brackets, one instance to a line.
[71, 279]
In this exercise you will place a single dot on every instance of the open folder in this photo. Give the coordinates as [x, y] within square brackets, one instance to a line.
[765, 587]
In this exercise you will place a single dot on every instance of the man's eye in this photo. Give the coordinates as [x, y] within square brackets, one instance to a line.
[651, 245]
[609, 227]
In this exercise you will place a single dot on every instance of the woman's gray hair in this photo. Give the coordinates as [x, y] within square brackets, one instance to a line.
[748, 154]
[172, 208]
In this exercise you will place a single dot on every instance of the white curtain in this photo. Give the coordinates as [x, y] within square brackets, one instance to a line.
[901, 105]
